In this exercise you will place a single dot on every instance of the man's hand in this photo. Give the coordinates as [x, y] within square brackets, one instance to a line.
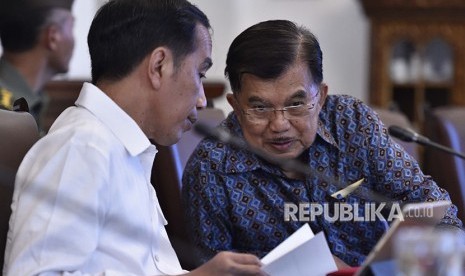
[340, 263]
[230, 263]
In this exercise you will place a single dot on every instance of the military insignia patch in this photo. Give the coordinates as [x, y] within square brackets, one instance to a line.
[6, 99]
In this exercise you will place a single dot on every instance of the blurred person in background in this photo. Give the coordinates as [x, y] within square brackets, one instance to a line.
[37, 40]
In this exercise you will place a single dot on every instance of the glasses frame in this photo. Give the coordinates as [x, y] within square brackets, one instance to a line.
[284, 110]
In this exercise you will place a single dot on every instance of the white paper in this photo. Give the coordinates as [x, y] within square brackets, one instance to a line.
[303, 253]
[302, 235]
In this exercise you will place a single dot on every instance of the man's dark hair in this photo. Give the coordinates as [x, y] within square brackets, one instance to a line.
[269, 48]
[22, 20]
[124, 32]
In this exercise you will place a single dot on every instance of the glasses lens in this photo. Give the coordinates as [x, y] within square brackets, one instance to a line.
[293, 112]
[296, 111]
[263, 115]
[258, 114]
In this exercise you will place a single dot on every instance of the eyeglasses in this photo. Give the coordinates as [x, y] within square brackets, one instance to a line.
[263, 114]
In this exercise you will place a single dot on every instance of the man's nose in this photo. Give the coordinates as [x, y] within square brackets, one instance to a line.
[202, 100]
[278, 121]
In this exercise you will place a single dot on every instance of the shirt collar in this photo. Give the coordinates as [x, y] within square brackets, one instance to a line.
[116, 119]
[324, 133]
[239, 160]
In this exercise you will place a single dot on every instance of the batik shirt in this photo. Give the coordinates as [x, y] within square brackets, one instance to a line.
[236, 201]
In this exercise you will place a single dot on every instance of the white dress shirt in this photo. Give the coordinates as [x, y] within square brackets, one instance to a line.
[83, 202]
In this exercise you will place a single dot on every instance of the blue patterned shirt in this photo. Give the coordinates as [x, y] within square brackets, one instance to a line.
[235, 200]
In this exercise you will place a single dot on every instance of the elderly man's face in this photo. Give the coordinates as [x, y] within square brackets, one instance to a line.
[291, 129]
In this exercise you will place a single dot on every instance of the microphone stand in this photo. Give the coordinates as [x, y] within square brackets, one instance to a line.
[407, 135]
[441, 148]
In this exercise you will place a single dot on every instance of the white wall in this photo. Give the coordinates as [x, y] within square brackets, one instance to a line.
[340, 26]
[83, 11]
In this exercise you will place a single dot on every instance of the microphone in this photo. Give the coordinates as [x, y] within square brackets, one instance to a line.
[408, 135]
[294, 165]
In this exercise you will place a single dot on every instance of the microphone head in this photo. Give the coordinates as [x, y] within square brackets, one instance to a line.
[203, 129]
[217, 134]
[402, 133]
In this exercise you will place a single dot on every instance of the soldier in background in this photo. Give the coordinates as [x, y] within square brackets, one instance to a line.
[38, 42]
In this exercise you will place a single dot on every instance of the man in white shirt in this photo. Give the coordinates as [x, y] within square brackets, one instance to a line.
[83, 202]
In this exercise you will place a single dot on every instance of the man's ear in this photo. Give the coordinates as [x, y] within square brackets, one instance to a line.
[323, 93]
[160, 66]
[233, 103]
[52, 37]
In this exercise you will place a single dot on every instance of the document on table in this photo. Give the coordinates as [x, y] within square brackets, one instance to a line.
[303, 253]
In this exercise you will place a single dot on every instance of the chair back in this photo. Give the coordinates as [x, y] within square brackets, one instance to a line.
[18, 132]
[166, 178]
[446, 126]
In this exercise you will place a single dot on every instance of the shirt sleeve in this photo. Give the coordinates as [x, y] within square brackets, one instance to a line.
[397, 174]
[58, 209]
[206, 210]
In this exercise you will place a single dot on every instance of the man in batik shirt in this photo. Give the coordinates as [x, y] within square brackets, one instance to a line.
[236, 200]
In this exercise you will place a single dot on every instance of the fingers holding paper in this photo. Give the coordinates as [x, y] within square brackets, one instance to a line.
[340, 263]
[230, 263]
